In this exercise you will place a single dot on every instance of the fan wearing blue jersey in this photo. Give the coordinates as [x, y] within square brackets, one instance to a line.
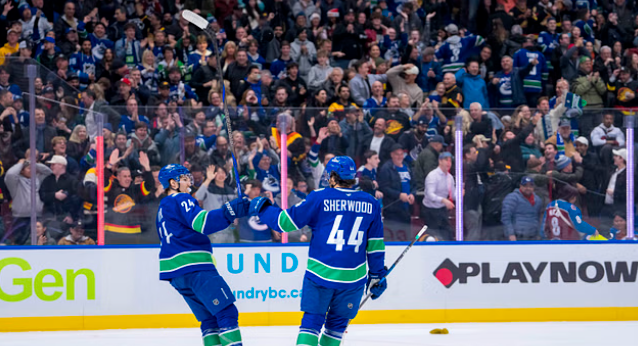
[534, 81]
[186, 257]
[347, 235]
[457, 49]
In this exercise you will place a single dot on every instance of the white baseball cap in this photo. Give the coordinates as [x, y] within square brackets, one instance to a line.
[582, 140]
[621, 152]
[58, 159]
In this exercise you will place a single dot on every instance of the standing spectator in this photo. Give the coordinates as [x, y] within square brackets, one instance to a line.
[338, 106]
[141, 141]
[278, 66]
[511, 152]
[295, 86]
[58, 193]
[415, 140]
[319, 73]
[59, 148]
[379, 142]
[570, 60]
[522, 211]
[18, 181]
[396, 121]
[213, 196]
[129, 121]
[455, 50]
[534, 81]
[303, 234]
[402, 78]
[335, 143]
[237, 71]
[221, 154]
[615, 185]
[593, 171]
[167, 139]
[361, 84]
[395, 182]
[428, 160]
[472, 85]
[193, 154]
[507, 89]
[475, 164]
[78, 143]
[591, 88]
[266, 173]
[128, 48]
[606, 137]
[355, 131]
[76, 235]
[481, 123]
[430, 72]
[563, 139]
[367, 174]
[453, 98]
[623, 87]
[303, 52]
[66, 21]
[44, 135]
[376, 101]
[439, 197]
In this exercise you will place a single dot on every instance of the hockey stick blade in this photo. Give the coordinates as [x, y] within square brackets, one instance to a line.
[195, 19]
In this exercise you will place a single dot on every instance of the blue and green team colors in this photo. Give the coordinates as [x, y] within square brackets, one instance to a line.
[183, 228]
[347, 235]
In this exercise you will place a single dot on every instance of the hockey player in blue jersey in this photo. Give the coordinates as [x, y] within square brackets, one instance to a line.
[84, 64]
[347, 235]
[457, 49]
[186, 257]
[533, 82]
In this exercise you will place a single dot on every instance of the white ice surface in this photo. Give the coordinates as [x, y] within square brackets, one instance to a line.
[461, 334]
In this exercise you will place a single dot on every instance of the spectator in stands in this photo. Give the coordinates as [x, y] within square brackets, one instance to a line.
[59, 194]
[367, 174]
[129, 121]
[379, 142]
[78, 143]
[481, 124]
[614, 185]
[564, 139]
[439, 197]
[570, 60]
[11, 46]
[192, 153]
[355, 131]
[304, 234]
[591, 88]
[376, 101]
[511, 152]
[44, 135]
[606, 137]
[303, 52]
[360, 85]
[593, 172]
[251, 230]
[336, 143]
[213, 196]
[395, 181]
[221, 154]
[522, 210]
[168, 141]
[76, 235]
[453, 97]
[396, 121]
[337, 108]
[278, 67]
[320, 72]
[295, 86]
[472, 85]
[59, 148]
[18, 181]
[403, 80]
[475, 166]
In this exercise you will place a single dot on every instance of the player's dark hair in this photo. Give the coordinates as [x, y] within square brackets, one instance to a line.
[369, 154]
[347, 183]
[567, 192]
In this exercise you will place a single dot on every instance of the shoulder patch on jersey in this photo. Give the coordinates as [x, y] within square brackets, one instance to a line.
[573, 207]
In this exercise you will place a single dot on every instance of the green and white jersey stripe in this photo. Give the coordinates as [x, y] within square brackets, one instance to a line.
[285, 222]
[336, 274]
[230, 337]
[306, 338]
[199, 221]
[185, 259]
[375, 245]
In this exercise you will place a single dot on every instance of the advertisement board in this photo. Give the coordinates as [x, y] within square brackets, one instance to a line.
[98, 288]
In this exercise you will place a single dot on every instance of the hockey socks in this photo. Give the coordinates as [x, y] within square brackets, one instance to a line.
[211, 338]
[308, 337]
[330, 338]
[230, 337]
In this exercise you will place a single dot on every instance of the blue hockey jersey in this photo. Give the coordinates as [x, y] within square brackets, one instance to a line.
[586, 29]
[84, 65]
[456, 50]
[347, 235]
[533, 82]
[100, 45]
[564, 221]
[183, 228]
[548, 42]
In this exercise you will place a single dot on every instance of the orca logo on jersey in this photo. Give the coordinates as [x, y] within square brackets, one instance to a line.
[449, 273]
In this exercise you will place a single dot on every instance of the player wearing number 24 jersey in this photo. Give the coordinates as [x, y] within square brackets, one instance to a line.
[347, 238]
[186, 256]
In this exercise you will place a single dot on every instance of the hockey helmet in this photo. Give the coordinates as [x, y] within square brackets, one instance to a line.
[173, 171]
[344, 166]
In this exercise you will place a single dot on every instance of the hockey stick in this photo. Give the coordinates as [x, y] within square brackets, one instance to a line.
[374, 282]
[202, 23]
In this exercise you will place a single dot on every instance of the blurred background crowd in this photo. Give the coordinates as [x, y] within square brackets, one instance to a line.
[540, 90]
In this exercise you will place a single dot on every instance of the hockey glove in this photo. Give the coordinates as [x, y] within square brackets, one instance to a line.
[236, 208]
[377, 283]
[257, 204]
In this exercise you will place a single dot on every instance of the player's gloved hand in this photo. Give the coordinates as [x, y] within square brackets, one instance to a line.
[236, 208]
[257, 204]
[380, 283]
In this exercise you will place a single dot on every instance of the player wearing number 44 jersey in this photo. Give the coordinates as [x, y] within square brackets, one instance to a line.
[347, 235]
[186, 258]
